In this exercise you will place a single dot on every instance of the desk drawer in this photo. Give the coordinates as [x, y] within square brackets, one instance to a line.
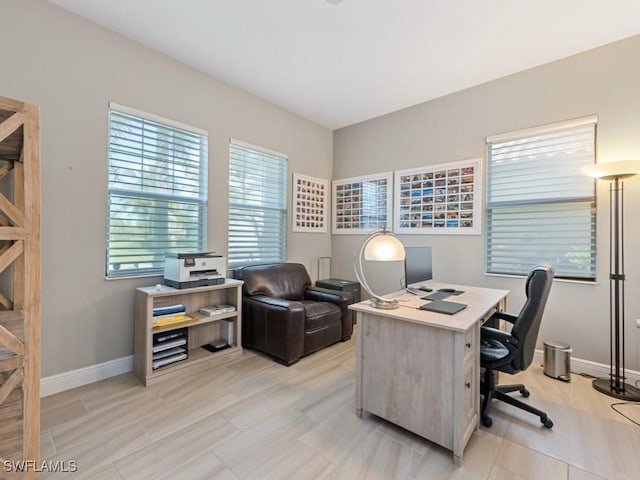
[470, 397]
[470, 345]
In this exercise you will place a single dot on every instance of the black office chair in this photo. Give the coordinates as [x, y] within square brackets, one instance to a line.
[512, 352]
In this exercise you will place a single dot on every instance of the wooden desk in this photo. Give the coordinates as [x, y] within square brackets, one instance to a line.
[421, 370]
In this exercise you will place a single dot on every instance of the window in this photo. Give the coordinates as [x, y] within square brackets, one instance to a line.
[157, 191]
[540, 206]
[257, 205]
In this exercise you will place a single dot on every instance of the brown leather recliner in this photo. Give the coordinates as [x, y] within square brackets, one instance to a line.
[287, 318]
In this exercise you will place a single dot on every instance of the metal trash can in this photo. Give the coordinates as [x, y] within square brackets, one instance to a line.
[557, 360]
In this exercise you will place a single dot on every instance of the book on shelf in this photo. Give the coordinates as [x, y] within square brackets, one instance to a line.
[163, 337]
[168, 345]
[168, 360]
[159, 322]
[169, 309]
[218, 309]
[168, 352]
[169, 315]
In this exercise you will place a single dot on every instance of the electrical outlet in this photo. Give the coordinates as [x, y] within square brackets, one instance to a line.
[638, 322]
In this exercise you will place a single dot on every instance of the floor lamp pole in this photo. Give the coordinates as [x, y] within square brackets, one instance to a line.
[615, 385]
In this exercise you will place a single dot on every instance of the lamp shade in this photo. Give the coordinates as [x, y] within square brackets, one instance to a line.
[384, 248]
[612, 170]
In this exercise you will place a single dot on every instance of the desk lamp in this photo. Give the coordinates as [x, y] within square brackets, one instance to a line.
[615, 172]
[378, 246]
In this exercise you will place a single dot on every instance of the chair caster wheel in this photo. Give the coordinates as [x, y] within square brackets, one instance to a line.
[487, 422]
[525, 393]
[547, 422]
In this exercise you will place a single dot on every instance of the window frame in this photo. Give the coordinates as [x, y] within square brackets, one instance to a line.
[199, 202]
[578, 202]
[281, 211]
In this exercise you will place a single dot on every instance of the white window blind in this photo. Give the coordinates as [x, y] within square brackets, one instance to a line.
[257, 205]
[540, 205]
[157, 191]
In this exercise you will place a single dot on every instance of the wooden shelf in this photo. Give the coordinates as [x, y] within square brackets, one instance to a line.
[196, 319]
[203, 329]
[196, 356]
[20, 292]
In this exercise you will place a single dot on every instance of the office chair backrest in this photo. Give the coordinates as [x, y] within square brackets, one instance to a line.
[527, 325]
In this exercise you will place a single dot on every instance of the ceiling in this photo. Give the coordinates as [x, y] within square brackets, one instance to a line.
[339, 62]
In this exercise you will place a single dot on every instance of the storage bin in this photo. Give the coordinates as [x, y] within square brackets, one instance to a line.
[557, 360]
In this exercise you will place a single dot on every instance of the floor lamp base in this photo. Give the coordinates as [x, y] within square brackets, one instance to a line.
[630, 393]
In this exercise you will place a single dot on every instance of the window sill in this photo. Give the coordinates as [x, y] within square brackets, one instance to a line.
[561, 280]
[129, 277]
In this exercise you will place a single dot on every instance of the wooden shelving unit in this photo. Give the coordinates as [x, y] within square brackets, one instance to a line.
[20, 295]
[202, 329]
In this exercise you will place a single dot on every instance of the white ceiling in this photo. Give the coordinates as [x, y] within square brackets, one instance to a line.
[339, 62]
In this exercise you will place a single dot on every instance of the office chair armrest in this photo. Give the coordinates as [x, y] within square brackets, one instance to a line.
[507, 317]
[505, 338]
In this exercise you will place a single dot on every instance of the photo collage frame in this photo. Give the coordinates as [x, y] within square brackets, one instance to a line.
[362, 204]
[439, 199]
[309, 204]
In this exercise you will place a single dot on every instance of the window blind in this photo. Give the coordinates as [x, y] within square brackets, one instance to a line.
[540, 205]
[257, 205]
[157, 192]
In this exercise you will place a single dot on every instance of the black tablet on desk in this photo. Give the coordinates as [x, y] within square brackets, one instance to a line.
[441, 306]
[439, 295]
[451, 291]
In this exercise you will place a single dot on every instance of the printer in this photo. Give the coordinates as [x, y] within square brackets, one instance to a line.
[184, 270]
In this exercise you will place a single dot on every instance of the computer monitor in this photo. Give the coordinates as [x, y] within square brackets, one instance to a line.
[417, 266]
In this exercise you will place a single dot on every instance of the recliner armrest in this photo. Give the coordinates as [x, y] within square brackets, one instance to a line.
[317, 294]
[274, 326]
[275, 302]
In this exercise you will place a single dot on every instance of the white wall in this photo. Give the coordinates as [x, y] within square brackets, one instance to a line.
[72, 69]
[606, 82]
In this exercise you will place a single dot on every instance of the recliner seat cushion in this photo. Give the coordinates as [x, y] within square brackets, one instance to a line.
[323, 325]
[320, 314]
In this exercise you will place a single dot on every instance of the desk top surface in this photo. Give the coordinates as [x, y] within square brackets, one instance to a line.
[479, 302]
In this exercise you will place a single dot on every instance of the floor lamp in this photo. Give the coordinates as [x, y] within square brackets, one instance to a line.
[615, 173]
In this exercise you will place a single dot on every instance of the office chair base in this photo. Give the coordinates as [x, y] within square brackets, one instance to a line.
[514, 388]
[500, 393]
[487, 421]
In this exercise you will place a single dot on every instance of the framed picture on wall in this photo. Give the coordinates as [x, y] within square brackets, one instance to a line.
[309, 212]
[439, 199]
[362, 204]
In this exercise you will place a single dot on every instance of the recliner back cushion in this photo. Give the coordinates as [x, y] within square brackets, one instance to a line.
[281, 280]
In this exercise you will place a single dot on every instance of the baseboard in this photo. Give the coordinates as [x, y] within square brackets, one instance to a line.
[84, 376]
[588, 367]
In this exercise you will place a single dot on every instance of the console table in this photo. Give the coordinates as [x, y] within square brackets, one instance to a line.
[421, 370]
